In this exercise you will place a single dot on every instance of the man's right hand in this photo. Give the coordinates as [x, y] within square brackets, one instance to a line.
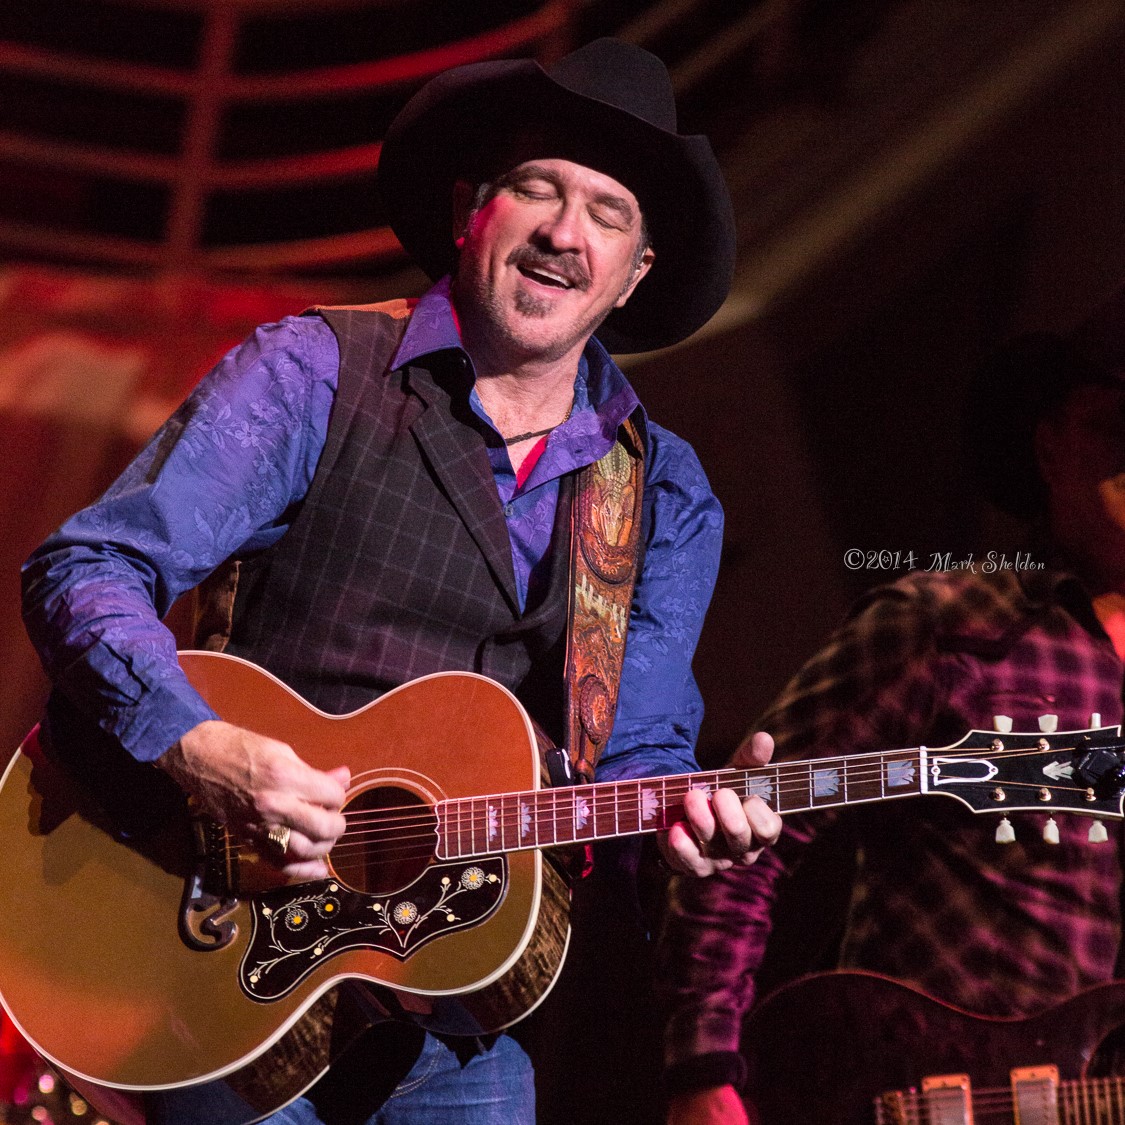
[254, 784]
[719, 1105]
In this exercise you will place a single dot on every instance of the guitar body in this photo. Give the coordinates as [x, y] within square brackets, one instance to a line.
[823, 1048]
[100, 972]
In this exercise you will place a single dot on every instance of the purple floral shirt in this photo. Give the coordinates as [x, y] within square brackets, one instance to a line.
[225, 475]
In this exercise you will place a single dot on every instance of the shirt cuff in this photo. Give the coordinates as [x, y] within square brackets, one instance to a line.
[164, 716]
[704, 1072]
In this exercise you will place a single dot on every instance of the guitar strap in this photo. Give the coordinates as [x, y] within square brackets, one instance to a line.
[605, 540]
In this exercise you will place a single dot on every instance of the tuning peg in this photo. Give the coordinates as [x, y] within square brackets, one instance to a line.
[1051, 831]
[1005, 833]
[1048, 724]
[1098, 834]
[1002, 723]
[1096, 719]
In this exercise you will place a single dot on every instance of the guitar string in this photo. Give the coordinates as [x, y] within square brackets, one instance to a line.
[499, 804]
[498, 807]
[783, 785]
[393, 843]
[679, 784]
[555, 802]
[548, 802]
[427, 823]
[401, 847]
[396, 828]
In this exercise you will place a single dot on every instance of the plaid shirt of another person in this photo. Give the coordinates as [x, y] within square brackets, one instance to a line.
[998, 929]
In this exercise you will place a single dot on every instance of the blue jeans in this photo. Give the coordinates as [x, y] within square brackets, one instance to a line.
[445, 1087]
[400, 1076]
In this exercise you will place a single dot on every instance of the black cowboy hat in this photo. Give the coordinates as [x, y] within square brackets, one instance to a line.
[1024, 381]
[608, 106]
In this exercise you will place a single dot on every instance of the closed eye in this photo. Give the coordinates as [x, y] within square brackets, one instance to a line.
[608, 222]
[533, 188]
[611, 212]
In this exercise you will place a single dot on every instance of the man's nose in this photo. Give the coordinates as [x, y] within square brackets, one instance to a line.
[562, 231]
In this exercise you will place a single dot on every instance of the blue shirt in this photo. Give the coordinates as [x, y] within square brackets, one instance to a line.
[224, 476]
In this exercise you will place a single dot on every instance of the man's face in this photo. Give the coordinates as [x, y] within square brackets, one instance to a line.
[1082, 458]
[552, 250]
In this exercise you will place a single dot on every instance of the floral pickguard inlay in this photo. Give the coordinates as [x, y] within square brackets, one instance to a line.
[295, 928]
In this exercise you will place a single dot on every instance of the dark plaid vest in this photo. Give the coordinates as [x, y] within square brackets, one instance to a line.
[399, 563]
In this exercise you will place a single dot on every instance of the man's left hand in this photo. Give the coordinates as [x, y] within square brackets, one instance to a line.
[720, 830]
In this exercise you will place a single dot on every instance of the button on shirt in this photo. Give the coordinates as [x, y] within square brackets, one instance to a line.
[225, 474]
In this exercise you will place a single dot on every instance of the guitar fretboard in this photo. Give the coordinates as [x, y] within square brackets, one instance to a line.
[537, 818]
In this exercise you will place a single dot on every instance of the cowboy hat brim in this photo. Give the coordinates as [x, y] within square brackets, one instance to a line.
[464, 121]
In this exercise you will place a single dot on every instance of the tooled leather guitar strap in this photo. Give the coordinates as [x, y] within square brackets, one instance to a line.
[605, 538]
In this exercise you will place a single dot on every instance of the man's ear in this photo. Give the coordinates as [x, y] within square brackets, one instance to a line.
[463, 193]
[642, 268]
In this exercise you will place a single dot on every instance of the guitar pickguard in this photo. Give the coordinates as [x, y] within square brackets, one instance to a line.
[297, 928]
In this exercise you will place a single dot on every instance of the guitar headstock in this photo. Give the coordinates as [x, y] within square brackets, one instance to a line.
[1002, 771]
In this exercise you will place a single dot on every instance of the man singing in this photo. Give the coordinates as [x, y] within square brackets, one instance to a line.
[375, 494]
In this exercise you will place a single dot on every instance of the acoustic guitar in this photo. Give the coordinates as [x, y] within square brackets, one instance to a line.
[146, 950]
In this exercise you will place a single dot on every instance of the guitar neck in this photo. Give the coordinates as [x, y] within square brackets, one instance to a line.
[548, 817]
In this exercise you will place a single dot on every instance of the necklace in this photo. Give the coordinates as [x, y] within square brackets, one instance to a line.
[538, 433]
[529, 434]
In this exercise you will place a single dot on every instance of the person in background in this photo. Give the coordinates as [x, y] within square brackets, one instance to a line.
[937, 901]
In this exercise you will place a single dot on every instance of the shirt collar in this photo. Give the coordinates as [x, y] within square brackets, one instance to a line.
[432, 327]
[600, 383]
[606, 387]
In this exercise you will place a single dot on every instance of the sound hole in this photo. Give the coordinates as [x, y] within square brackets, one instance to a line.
[390, 839]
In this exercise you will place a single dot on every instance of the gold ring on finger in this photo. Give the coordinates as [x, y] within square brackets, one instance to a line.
[278, 836]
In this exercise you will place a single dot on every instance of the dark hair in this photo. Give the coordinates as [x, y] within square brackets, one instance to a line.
[1024, 381]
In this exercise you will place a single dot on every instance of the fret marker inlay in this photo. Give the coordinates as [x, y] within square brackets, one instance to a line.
[493, 822]
[525, 818]
[900, 773]
[761, 787]
[826, 783]
[648, 804]
[581, 812]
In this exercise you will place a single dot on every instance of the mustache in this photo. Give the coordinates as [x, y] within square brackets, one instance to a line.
[566, 265]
